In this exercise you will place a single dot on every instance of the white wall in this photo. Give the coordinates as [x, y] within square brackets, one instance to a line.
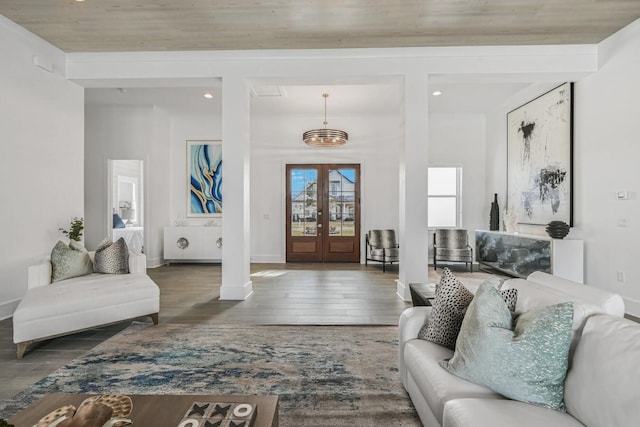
[277, 141]
[195, 126]
[458, 140]
[122, 133]
[41, 167]
[606, 153]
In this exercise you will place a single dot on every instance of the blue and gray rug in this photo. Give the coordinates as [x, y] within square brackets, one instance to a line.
[324, 375]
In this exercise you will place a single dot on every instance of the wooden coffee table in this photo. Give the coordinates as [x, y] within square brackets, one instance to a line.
[154, 410]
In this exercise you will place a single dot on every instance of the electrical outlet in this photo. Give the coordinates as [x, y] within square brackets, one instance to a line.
[620, 276]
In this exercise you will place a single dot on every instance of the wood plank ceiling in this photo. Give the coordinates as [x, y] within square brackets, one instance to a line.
[161, 25]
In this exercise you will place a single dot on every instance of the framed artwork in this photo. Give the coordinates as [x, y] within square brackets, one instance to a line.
[539, 158]
[204, 178]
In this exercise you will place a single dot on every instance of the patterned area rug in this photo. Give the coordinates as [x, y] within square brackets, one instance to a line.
[323, 375]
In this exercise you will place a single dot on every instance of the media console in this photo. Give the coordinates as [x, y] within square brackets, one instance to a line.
[519, 255]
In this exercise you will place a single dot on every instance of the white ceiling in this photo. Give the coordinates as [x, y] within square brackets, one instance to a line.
[368, 98]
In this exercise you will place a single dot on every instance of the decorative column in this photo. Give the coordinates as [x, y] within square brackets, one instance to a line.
[413, 186]
[236, 261]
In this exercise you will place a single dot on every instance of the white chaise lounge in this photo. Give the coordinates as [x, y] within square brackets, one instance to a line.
[73, 305]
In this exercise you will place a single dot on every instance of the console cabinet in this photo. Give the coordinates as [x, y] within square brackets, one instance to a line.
[192, 243]
[520, 255]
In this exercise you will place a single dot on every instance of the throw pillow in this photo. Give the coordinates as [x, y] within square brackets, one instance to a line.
[69, 261]
[449, 307]
[112, 257]
[118, 222]
[527, 362]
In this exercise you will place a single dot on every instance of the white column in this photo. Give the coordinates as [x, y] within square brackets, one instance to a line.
[413, 186]
[236, 261]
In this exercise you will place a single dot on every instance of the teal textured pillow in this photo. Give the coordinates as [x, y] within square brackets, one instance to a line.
[69, 261]
[527, 362]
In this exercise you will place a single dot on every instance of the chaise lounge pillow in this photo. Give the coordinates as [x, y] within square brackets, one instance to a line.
[69, 261]
[112, 257]
[449, 308]
[525, 359]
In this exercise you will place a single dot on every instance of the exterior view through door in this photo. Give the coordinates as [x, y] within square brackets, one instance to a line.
[323, 213]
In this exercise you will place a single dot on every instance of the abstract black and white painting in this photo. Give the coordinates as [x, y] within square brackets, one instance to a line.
[539, 152]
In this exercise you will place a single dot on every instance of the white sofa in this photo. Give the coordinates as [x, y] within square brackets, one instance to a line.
[601, 387]
[72, 305]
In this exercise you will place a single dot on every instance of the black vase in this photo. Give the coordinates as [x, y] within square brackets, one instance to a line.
[557, 229]
[494, 215]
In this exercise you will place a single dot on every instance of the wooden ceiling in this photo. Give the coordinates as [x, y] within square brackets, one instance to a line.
[163, 25]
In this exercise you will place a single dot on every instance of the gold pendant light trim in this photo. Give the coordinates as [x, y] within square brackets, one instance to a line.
[325, 137]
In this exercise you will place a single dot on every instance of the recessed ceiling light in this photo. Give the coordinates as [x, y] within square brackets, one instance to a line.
[437, 92]
[208, 95]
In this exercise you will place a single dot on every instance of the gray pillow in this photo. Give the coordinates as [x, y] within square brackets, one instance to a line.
[112, 257]
[69, 261]
[527, 362]
[449, 308]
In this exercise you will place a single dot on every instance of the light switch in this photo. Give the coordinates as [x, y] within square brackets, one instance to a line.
[622, 195]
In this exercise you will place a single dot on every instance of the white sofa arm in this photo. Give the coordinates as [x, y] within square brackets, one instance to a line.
[39, 275]
[411, 321]
[409, 325]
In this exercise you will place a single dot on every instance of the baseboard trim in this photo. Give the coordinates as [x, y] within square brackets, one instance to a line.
[236, 293]
[7, 308]
[632, 306]
[267, 259]
[402, 291]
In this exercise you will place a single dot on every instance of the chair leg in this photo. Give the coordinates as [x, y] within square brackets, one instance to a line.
[384, 270]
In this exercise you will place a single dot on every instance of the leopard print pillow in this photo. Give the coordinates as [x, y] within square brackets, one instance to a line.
[112, 257]
[449, 307]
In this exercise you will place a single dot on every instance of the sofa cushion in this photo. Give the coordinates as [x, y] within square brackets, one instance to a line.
[587, 300]
[112, 257]
[607, 302]
[437, 386]
[502, 413]
[602, 385]
[526, 363]
[69, 261]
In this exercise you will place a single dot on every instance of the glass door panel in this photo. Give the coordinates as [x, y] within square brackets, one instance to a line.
[304, 202]
[342, 197]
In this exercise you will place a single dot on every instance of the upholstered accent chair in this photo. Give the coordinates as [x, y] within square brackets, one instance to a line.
[451, 244]
[382, 246]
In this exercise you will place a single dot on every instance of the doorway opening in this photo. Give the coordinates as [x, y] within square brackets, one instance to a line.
[323, 213]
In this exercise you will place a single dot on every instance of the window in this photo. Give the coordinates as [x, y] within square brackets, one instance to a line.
[444, 197]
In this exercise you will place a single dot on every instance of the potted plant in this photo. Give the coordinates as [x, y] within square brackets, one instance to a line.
[75, 231]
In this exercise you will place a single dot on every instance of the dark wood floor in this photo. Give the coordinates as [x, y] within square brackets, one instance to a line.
[283, 294]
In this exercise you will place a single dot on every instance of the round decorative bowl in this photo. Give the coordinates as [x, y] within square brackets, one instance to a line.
[557, 229]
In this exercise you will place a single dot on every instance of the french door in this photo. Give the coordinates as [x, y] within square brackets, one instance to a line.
[323, 213]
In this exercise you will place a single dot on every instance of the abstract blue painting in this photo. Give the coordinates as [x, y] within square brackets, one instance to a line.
[204, 174]
[539, 151]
